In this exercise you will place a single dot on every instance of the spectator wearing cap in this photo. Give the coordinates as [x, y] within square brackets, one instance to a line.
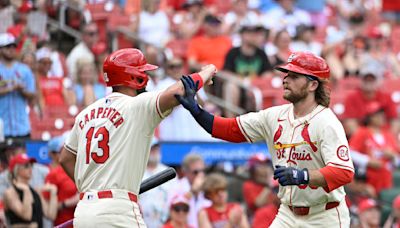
[393, 221]
[59, 66]
[17, 88]
[369, 214]
[67, 194]
[380, 53]
[257, 191]
[220, 213]
[285, 16]
[245, 63]
[87, 88]
[83, 50]
[305, 40]
[178, 216]
[188, 22]
[190, 184]
[370, 91]
[52, 91]
[170, 129]
[209, 48]
[154, 203]
[238, 16]
[23, 205]
[379, 146]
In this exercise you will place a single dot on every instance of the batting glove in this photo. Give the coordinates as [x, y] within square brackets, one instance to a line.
[291, 176]
[188, 101]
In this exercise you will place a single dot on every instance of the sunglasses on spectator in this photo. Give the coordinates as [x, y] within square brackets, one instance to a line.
[10, 46]
[175, 66]
[27, 165]
[91, 33]
[197, 171]
[181, 207]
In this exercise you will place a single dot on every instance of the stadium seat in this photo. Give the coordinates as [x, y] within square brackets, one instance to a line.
[386, 198]
[396, 178]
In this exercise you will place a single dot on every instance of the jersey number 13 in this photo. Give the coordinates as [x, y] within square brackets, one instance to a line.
[102, 143]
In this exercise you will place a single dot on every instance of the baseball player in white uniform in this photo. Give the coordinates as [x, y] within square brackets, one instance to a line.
[108, 147]
[307, 143]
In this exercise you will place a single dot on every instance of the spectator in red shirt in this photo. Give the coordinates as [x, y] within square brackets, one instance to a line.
[266, 215]
[369, 92]
[379, 145]
[53, 91]
[178, 213]
[369, 214]
[67, 193]
[256, 191]
[220, 213]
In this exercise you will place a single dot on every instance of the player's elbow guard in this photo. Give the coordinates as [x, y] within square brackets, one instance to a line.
[336, 177]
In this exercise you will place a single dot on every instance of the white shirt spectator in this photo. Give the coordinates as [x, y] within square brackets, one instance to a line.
[80, 51]
[277, 19]
[154, 203]
[232, 19]
[171, 129]
[154, 28]
[313, 47]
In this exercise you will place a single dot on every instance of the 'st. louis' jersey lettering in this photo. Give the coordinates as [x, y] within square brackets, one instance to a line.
[111, 139]
[313, 141]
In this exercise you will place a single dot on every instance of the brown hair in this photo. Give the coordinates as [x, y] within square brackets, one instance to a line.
[189, 160]
[322, 93]
[213, 182]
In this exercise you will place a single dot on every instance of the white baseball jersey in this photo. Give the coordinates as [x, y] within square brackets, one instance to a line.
[313, 141]
[111, 139]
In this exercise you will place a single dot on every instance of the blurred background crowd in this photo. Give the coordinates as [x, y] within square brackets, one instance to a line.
[51, 55]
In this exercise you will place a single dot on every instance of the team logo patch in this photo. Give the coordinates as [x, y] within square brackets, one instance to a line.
[343, 153]
[106, 79]
[291, 57]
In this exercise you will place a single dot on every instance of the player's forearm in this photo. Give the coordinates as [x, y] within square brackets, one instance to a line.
[317, 179]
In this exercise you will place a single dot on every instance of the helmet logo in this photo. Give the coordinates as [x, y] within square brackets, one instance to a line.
[106, 79]
[291, 57]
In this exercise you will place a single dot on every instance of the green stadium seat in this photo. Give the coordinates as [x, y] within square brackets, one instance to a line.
[386, 198]
[396, 178]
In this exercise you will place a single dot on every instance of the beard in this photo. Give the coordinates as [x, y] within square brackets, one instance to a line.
[295, 97]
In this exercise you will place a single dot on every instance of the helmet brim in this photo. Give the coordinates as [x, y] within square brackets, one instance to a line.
[290, 67]
[146, 67]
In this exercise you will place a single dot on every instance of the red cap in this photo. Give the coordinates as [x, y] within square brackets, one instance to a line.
[20, 159]
[26, 7]
[375, 33]
[396, 202]
[366, 205]
[257, 158]
[306, 63]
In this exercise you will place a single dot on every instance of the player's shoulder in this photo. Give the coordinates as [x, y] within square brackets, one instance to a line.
[278, 110]
[325, 115]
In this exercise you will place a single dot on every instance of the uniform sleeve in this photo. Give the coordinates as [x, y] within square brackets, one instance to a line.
[254, 125]
[71, 142]
[334, 146]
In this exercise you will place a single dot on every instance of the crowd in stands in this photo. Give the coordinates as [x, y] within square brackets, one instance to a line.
[44, 83]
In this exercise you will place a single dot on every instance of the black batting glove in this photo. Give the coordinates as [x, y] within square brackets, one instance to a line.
[291, 176]
[188, 101]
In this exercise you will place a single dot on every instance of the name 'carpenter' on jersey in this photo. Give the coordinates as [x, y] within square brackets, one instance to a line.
[103, 112]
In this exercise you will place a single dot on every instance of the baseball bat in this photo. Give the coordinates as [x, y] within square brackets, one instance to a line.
[149, 183]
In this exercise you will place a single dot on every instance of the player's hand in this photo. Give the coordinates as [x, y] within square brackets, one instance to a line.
[207, 73]
[188, 101]
[291, 176]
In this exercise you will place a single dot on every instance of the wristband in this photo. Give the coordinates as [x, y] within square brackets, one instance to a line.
[197, 78]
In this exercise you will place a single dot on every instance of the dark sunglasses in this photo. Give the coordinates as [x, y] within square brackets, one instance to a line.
[181, 207]
[27, 165]
[13, 45]
[197, 171]
[175, 66]
[91, 33]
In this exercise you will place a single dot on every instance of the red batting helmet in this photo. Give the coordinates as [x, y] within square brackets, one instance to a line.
[306, 63]
[127, 67]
